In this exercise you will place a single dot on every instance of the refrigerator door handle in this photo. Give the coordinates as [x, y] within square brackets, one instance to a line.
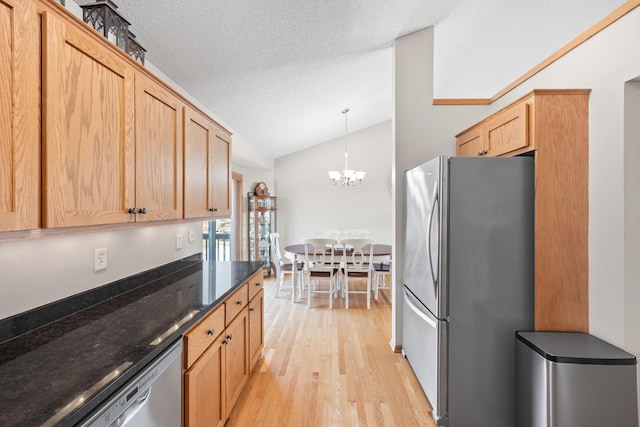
[417, 311]
[433, 209]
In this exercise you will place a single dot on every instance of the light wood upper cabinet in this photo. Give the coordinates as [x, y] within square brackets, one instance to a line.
[206, 167]
[472, 143]
[504, 133]
[158, 151]
[198, 188]
[89, 145]
[221, 170]
[19, 116]
[113, 137]
[508, 130]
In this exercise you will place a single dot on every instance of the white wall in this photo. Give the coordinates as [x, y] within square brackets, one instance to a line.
[308, 201]
[604, 63]
[631, 294]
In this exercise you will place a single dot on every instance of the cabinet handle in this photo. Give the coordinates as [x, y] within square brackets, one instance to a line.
[131, 211]
[224, 341]
[258, 284]
[252, 309]
[213, 209]
[229, 337]
[142, 211]
[239, 302]
[211, 331]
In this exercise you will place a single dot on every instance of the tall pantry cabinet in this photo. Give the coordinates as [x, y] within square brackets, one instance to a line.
[19, 116]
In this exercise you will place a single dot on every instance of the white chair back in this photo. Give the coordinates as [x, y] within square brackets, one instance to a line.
[355, 233]
[354, 256]
[275, 249]
[319, 254]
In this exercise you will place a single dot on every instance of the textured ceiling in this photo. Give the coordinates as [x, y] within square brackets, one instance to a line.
[279, 72]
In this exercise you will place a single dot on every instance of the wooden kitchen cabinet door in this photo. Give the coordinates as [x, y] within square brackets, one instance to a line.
[198, 178]
[158, 131]
[221, 172]
[204, 389]
[471, 143]
[508, 130]
[88, 133]
[19, 116]
[256, 328]
[236, 357]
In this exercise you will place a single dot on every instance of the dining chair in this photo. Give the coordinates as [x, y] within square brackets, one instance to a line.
[381, 270]
[284, 267]
[319, 266]
[357, 263]
[355, 233]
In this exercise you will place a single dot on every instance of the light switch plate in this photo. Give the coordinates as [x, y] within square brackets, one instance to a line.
[179, 241]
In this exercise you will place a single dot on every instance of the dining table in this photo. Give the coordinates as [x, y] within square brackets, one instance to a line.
[296, 253]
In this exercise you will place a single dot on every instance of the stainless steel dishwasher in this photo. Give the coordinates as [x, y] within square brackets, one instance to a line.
[150, 399]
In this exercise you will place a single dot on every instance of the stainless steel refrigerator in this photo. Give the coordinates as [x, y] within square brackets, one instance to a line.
[468, 283]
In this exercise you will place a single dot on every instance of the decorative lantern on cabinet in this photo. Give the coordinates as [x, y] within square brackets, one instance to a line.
[135, 49]
[104, 18]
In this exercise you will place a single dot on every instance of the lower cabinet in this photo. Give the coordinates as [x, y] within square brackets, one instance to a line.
[256, 328]
[204, 389]
[218, 361]
[237, 357]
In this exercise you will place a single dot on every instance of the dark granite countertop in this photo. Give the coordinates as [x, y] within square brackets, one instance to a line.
[57, 363]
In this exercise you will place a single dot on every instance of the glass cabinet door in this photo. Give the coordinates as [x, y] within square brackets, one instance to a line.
[266, 226]
[262, 222]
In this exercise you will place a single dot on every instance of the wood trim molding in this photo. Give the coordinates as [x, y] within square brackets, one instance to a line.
[462, 101]
[599, 26]
[237, 214]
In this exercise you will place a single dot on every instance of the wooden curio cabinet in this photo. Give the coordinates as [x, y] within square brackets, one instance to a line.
[262, 222]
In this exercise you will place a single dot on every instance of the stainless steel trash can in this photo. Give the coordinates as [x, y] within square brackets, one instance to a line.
[567, 379]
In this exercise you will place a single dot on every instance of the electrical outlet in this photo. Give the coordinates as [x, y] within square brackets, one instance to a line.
[179, 241]
[99, 259]
[192, 236]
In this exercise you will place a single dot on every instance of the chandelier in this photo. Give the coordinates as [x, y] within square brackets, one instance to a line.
[348, 176]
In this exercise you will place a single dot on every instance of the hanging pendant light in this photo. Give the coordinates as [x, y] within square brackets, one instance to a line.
[348, 177]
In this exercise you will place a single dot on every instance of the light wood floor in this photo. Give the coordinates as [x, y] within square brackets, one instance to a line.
[326, 367]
